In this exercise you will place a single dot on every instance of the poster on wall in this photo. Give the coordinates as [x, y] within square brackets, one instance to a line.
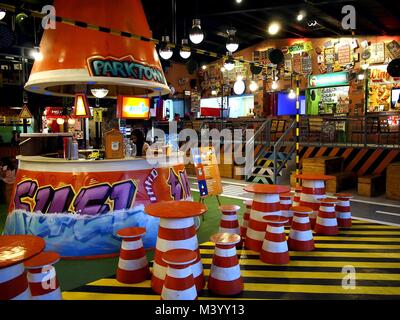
[329, 56]
[332, 100]
[306, 64]
[297, 63]
[377, 53]
[344, 55]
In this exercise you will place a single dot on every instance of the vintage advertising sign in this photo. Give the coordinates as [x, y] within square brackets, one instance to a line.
[300, 47]
[133, 108]
[207, 171]
[78, 213]
[328, 80]
[344, 54]
[329, 56]
[377, 53]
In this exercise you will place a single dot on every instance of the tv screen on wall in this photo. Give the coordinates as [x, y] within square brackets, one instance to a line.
[287, 106]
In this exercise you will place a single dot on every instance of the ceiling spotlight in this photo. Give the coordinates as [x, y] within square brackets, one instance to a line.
[36, 54]
[204, 67]
[238, 1]
[301, 15]
[239, 87]
[99, 93]
[165, 51]
[229, 63]
[196, 34]
[292, 94]
[231, 45]
[274, 85]
[274, 28]
[2, 14]
[253, 86]
[185, 52]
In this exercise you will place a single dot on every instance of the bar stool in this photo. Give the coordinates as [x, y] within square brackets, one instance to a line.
[300, 235]
[42, 277]
[179, 283]
[275, 248]
[266, 202]
[225, 278]
[286, 204]
[229, 221]
[326, 220]
[132, 265]
[176, 231]
[246, 217]
[343, 209]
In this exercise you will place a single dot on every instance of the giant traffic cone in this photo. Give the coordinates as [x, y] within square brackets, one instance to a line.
[225, 278]
[275, 248]
[343, 210]
[246, 217]
[176, 231]
[286, 204]
[326, 220]
[179, 282]
[78, 59]
[42, 277]
[266, 202]
[132, 265]
[300, 236]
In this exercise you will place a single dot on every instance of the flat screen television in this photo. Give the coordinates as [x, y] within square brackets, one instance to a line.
[133, 108]
[287, 107]
[395, 99]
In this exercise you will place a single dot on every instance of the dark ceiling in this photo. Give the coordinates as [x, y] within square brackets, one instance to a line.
[251, 18]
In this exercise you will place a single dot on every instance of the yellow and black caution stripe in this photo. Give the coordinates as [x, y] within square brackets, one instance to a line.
[372, 249]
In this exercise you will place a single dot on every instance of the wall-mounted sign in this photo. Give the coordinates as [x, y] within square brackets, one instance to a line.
[300, 47]
[297, 63]
[125, 67]
[328, 80]
[394, 49]
[344, 54]
[306, 64]
[380, 75]
[25, 113]
[329, 55]
[133, 108]
[377, 53]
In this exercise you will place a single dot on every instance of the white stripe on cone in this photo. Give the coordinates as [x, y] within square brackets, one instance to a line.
[255, 235]
[26, 295]
[166, 245]
[344, 215]
[38, 277]
[327, 209]
[188, 294]
[343, 203]
[327, 222]
[311, 198]
[266, 198]
[225, 274]
[275, 247]
[177, 223]
[179, 273]
[131, 265]
[132, 245]
[273, 229]
[230, 230]
[258, 215]
[301, 220]
[301, 235]
[314, 184]
[160, 271]
[9, 273]
[225, 252]
[229, 217]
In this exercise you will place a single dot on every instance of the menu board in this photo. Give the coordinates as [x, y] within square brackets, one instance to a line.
[306, 64]
[344, 54]
[332, 100]
[207, 171]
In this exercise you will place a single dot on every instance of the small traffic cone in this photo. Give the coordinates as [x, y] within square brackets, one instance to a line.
[229, 221]
[225, 278]
[13, 283]
[179, 282]
[275, 248]
[312, 192]
[132, 265]
[343, 210]
[326, 220]
[286, 204]
[246, 217]
[296, 197]
[300, 236]
[42, 277]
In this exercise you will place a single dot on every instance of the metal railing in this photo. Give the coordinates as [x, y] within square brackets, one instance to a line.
[287, 138]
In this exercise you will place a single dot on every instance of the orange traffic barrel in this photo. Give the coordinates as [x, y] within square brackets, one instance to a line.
[326, 220]
[246, 217]
[343, 209]
[133, 266]
[286, 203]
[300, 235]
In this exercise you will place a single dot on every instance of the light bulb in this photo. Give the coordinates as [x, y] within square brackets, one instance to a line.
[274, 28]
[71, 121]
[99, 93]
[239, 87]
[165, 51]
[60, 121]
[292, 94]
[274, 85]
[232, 46]
[253, 86]
[238, 1]
[185, 52]
[204, 67]
[365, 66]
[361, 76]
[2, 14]
[301, 15]
[214, 92]
[36, 54]
[229, 63]
[196, 34]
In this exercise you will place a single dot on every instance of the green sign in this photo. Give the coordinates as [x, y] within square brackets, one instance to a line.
[300, 47]
[328, 80]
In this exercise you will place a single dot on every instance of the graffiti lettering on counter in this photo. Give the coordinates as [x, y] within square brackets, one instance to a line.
[148, 185]
[180, 188]
[91, 200]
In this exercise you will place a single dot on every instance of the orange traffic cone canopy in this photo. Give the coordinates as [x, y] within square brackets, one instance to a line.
[76, 59]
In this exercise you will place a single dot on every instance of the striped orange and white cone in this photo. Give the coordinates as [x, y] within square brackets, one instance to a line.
[312, 192]
[286, 204]
[296, 197]
[132, 265]
[225, 278]
[275, 248]
[229, 221]
[246, 217]
[42, 277]
[343, 210]
[266, 202]
[326, 220]
[179, 282]
[14, 283]
[300, 235]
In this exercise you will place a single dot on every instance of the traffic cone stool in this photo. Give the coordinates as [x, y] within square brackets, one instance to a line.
[246, 217]
[312, 191]
[42, 277]
[286, 203]
[132, 265]
[300, 235]
[179, 283]
[225, 278]
[266, 202]
[343, 210]
[275, 248]
[326, 220]
[14, 250]
[229, 221]
[176, 231]
[296, 197]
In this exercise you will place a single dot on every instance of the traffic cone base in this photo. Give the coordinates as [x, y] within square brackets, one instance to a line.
[13, 283]
[296, 245]
[326, 223]
[343, 210]
[300, 235]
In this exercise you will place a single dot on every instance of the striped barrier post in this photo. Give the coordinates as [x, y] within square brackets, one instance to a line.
[286, 204]
[326, 220]
[275, 248]
[266, 202]
[300, 235]
[225, 278]
[296, 197]
[229, 221]
[176, 231]
[179, 282]
[42, 277]
[343, 209]
[246, 217]
[13, 283]
[132, 264]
